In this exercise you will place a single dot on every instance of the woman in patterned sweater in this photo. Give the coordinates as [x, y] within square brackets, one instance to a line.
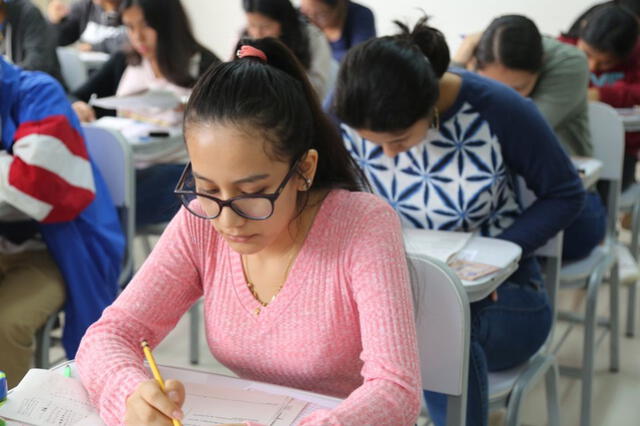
[444, 150]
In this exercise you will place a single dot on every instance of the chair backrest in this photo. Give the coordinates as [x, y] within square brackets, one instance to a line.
[74, 71]
[441, 309]
[607, 137]
[113, 156]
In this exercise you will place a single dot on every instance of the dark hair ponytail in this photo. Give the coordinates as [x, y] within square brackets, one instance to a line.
[276, 101]
[386, 84]
[611, 29]
[513, 41]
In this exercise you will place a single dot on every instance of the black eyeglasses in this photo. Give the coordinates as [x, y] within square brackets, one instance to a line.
[249, 206]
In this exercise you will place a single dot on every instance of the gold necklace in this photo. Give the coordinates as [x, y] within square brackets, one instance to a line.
[252, 289]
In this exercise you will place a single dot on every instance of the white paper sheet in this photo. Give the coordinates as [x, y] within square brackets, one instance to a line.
[441, 245]
[161, 99]
[207, 405]
[46, 398]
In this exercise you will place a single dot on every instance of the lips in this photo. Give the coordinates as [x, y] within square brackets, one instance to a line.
[239, 238]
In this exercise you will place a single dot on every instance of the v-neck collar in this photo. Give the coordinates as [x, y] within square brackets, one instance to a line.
[296, 278]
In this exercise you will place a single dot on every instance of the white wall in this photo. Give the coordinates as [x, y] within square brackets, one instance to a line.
[218, 22]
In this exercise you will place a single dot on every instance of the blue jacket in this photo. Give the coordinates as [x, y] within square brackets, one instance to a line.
[76, 217]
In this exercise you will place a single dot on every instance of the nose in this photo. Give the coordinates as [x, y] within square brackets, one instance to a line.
[228, 219]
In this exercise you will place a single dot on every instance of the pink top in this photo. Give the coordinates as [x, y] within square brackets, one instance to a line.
[342, 325]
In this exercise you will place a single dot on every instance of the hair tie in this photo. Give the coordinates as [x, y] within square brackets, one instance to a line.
[247, 51]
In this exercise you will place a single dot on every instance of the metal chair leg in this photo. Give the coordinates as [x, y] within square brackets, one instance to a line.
[146, 244]
[614, 318]
[553, 405]
[589, 347]
[631, 310]
[194, 333]
[43, 342]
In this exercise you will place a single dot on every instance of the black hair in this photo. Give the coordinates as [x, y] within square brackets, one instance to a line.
[611, 29]
[386, 84]
[276, 100]
[294, 28]
[176, 43]
[513, 41]
[334, 3]
[632, 6]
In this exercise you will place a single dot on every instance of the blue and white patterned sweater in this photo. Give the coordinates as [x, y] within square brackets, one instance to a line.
[461, 177]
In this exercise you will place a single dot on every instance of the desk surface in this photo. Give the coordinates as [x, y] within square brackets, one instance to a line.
[315, 401]
[630, 118]
[491, 251]
[589, 170]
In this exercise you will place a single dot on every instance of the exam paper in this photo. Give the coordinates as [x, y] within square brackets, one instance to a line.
[441, 245]
[206, 405]
[46, 398]
[161, 99]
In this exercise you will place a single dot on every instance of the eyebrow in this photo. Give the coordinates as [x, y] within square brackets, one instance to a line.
[248, 179]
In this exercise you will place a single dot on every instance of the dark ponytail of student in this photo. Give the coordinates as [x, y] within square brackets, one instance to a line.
[611, 29]
[513, 41]
[274, 101]
[388, 83]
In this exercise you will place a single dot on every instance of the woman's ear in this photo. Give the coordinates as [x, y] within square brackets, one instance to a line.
[307, 170]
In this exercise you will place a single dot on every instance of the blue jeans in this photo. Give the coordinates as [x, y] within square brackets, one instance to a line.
[587, 230]
[504, 334]
[155, 201]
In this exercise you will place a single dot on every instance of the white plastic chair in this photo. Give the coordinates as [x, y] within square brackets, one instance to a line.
[441, 310]
[607, 134]
[112, 155]
[74, 71]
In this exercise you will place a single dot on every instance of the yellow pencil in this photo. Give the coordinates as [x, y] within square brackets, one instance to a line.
[154, 369]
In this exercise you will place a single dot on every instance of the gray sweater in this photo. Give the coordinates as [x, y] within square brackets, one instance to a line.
[89, 23]
[28, 39]
[561, 95]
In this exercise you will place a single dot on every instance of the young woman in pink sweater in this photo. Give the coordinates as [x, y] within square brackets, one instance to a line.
[304, 280]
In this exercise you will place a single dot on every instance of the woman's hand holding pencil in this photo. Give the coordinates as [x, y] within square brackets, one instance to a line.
[155, 402]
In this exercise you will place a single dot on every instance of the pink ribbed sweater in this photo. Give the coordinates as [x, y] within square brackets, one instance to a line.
[342, 325]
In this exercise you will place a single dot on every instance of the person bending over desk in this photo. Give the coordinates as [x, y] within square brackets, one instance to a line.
[165, 56]
[304, 280]
[554, 75]
[60, 238]
[609, 38]
[444, 149]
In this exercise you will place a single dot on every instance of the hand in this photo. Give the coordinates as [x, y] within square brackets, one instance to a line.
[148, 405]
[84, 47]
[593, 94]
[464, 54]
[56, 10]
[84, 111]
